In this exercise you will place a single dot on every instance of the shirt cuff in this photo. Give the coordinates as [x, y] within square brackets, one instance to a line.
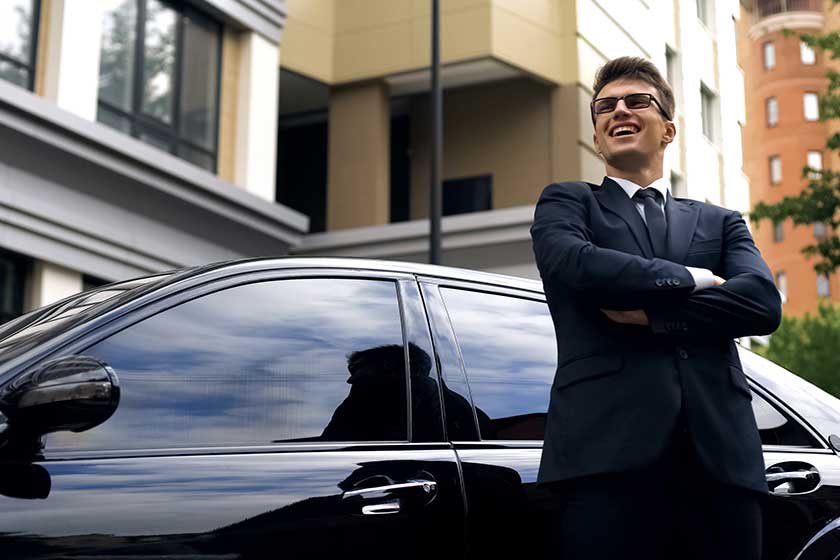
[703, 277]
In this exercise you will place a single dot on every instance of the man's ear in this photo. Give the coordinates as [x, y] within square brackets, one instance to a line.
[670, 132]
[595, 141]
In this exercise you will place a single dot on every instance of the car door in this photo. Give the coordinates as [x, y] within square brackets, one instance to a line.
[802, 469]
[262, 416]
[497, 355]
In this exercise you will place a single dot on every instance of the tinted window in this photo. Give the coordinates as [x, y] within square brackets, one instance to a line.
[509, 353]
[290, 360]
[776, 428]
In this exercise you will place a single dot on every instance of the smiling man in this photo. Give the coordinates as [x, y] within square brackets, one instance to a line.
[651, 446]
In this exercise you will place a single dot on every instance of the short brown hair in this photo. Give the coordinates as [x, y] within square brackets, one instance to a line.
[634, 68]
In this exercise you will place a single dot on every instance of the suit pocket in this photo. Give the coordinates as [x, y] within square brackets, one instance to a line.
[705, 246]
[587, 367]
[739, 381]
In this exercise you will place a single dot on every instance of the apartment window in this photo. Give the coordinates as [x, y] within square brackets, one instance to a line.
[471, 194]
[678, 187]
[703, 12]
[814, 161]
[775, 170]
[159, 77]
[18, 41]
[708, 111]
[769, 55]
[778, 232]
[823, 288]
[812, 106]
[819, 230]
[807, 54]
[772, 111]
[13, 271]
[781, 283]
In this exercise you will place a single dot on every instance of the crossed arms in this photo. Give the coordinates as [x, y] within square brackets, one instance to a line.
[657, 293]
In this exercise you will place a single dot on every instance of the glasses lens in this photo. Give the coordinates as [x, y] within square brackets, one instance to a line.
[605, 105]
[637, 101]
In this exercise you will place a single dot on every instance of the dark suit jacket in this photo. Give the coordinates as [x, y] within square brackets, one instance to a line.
[619, 390]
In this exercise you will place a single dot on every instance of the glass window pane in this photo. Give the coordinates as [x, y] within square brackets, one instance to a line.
[316, 359]
[16, 29]
[198, 157]
[775, 170]
[159, 61]
[113, 119]
[823, 287]
[116, 66]
[772, 112]
[769, 56]
[506, 343]
[472, 194]
[776, 428]
[200, 77]
[156, 139]
[807, 54]
[812, 106]
[14, 73]
[781, 283]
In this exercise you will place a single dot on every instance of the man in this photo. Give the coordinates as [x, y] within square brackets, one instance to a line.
[650, 443]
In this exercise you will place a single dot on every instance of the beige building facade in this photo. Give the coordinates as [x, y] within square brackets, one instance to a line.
[517, 78]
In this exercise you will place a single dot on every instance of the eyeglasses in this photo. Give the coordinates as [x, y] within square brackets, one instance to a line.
[633, 101]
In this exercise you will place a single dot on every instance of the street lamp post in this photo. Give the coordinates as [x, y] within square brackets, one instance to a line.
[436, 200]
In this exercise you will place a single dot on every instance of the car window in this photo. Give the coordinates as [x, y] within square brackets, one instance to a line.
[776, 428]
[508, 348]
[316, 359]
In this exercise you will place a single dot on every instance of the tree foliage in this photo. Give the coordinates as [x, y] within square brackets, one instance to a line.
[808, 346]
[819, 202]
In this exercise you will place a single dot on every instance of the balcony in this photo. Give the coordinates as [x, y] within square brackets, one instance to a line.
[767, 8]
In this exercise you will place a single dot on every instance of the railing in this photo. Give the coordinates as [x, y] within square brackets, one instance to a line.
[766, 8]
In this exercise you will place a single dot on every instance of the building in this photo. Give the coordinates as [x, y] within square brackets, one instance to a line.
[137, 136]
[354, 109]
[142, 135]
[783, 133]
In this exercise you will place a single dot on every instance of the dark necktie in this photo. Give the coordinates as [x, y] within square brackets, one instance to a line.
[654, 217]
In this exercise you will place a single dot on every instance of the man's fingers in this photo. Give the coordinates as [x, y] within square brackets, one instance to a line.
[719, 281]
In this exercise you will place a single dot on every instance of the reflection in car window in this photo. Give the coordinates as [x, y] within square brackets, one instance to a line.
[509, 353]
[776, 428]
[291, 360]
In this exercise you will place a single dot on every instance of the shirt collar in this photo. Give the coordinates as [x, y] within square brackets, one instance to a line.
[630, 187]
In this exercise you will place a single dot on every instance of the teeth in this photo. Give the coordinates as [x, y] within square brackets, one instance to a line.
[631, 129]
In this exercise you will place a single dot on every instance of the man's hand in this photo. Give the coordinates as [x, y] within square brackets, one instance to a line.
[632, 317]
[719, 281]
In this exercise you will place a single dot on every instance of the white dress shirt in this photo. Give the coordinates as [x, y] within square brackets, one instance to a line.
[703, 277]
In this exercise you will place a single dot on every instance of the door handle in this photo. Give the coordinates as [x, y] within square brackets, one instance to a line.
[792, 478]
[420, 486]
[386, 508]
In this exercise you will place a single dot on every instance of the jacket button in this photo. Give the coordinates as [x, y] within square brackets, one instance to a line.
[659, 282]
[676, 281]
[683, 354]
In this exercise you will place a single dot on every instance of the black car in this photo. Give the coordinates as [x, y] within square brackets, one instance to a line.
[309, 408]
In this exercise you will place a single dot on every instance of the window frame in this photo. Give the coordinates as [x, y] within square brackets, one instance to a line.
[202, 286]
[778, 232]
[436, 284]
[140, 122]
[768, 62]
[805, 97]
[709, 113]
[805, 48]
[32, 67]
[770, 166]
[768, 113]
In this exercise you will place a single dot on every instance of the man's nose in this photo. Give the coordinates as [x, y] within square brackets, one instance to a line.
[621, 107]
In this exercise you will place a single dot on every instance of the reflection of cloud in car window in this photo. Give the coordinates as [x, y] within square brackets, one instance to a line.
[251, 364]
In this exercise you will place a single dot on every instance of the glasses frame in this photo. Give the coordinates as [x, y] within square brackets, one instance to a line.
[650, 97]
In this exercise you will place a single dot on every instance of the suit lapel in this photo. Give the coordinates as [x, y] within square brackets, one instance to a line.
[682, 219]
[612, 197]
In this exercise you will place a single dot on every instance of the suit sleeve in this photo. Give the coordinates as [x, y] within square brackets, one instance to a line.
[748, 303]
[566, 255]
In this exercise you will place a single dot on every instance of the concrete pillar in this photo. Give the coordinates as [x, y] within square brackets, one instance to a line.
[73, 39]
[50, 283]
[256, 116]
[359, 157]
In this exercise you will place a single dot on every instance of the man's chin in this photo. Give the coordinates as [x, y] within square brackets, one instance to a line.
[628, 160]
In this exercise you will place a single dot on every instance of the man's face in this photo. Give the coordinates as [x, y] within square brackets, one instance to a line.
[631, 139]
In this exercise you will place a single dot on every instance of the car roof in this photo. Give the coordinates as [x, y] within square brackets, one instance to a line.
[405, 267]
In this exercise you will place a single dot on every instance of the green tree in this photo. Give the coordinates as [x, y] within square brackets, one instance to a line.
[808, 346]
[819, 202]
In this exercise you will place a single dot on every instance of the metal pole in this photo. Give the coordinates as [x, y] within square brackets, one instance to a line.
[436, 201]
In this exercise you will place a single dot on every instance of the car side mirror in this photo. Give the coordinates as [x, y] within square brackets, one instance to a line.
[74, 393]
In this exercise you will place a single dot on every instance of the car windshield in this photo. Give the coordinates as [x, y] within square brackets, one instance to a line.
[25, 332]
